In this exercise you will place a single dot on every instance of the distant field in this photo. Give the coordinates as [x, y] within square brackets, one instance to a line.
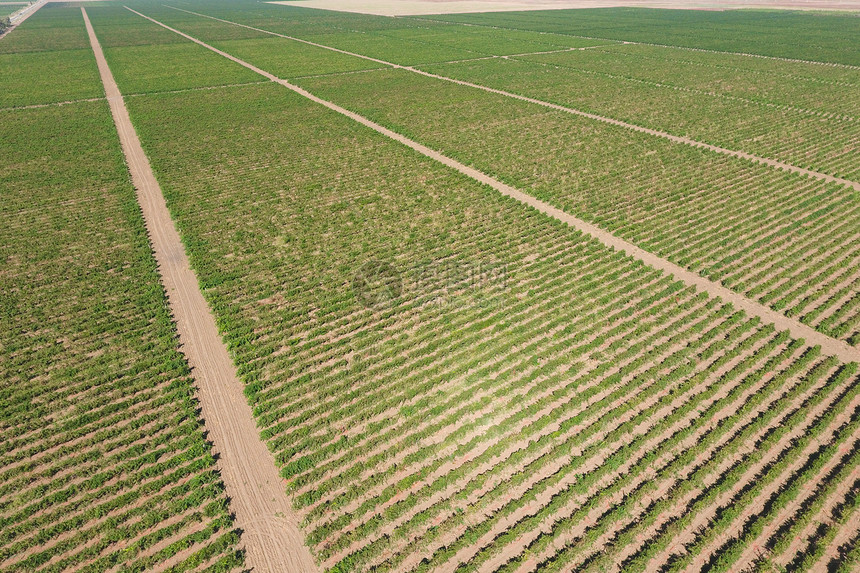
[6, 9]
[447, 379]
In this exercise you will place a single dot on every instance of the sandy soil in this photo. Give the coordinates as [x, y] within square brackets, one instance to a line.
[417, 7]
[829, 345]
[257, 495]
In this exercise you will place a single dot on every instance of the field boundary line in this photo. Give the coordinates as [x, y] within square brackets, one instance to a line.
[617, 122]
[829, 345]
[52, 104]
[272, 538]
[200, 89]
[634, 43]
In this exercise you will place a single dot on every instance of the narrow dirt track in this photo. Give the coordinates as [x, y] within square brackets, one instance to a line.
[656, 133]
[271, 537]
[829, 345]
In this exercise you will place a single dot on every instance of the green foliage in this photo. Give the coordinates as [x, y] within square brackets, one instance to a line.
[822, 36]
[768, 239]
[584, 412]
[104, 462]
[32, 78]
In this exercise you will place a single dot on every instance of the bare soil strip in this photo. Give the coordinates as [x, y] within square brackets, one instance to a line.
[674, 138]
[828, 345]
[272, 538]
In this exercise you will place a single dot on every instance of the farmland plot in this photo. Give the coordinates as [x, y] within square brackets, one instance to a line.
[446, 378]
[163, 64]
[454, 419]
[104, 461]
[778, 34]
[32, 75]
[767, 245]
[665, 201]
[809, 87]
[818, 141]
[51, 28]
[401, 41]
[805, 132]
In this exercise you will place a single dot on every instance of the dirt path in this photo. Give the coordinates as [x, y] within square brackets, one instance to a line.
[271, 535]
[609, 120]
[841, 350]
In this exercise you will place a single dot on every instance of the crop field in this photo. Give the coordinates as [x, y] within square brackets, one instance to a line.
[447, 376]
[7, 9]
[104, 461]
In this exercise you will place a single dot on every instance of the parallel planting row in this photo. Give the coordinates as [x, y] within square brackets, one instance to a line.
[514, 395]
[808, 138]
[816, 36]
[104, 461]
[800, 113]
[788, 241]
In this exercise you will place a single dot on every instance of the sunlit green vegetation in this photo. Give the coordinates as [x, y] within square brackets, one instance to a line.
[104, 462]
[445, 377]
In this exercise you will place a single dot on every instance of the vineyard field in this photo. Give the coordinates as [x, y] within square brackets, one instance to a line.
[43, 64]
[812, 139]
[780, 34]
[56, 29]
[541, 150]
[471, 331]
[38, 78]
[807, 119]
[163, 65]
[763, 249]
[803, 86]
[343, 428]
[104, 460]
